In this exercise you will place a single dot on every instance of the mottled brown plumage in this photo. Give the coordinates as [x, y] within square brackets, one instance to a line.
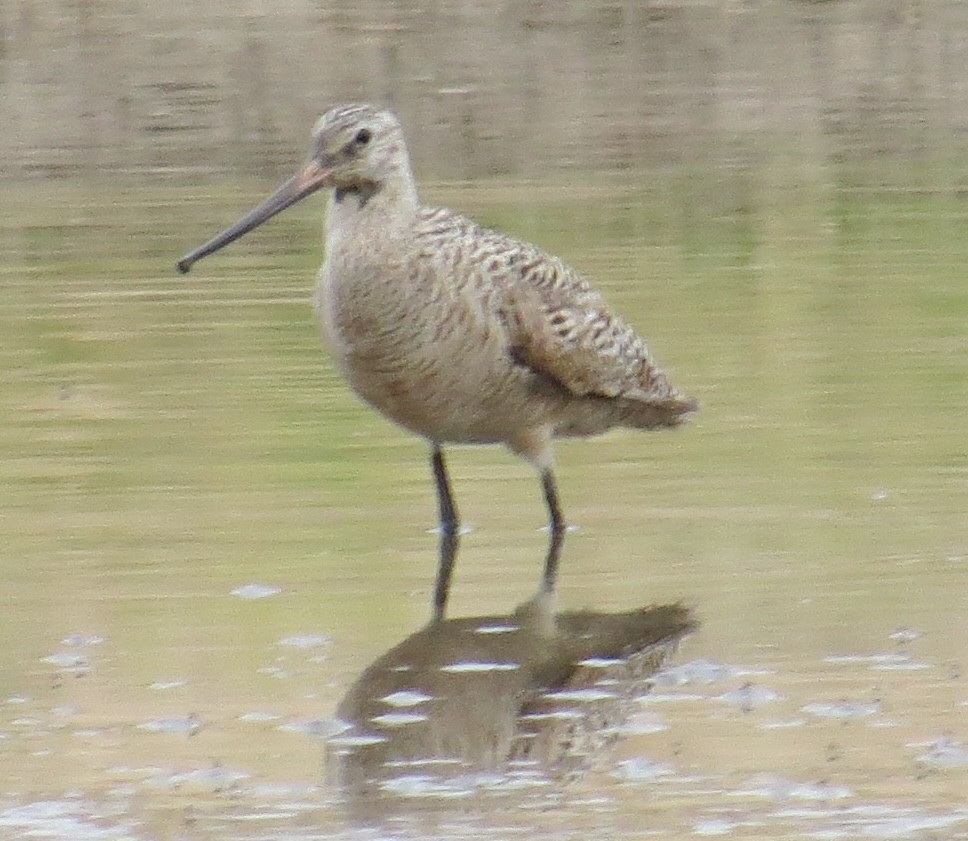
[456, 332]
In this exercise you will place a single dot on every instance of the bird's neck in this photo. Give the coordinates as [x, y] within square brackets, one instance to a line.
[376, 212]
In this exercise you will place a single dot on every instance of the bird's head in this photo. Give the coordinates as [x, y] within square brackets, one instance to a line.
[357, 149]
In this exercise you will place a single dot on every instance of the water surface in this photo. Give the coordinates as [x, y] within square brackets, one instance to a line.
[207, 537]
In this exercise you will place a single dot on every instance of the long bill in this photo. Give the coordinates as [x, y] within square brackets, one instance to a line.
[309, 179]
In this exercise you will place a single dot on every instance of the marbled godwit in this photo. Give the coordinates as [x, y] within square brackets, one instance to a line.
[458, 333]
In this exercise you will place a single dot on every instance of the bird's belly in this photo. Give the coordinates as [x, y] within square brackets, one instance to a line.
[460, 387]
[444, 400]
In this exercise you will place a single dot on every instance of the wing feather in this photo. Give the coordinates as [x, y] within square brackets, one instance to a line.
[556, 323]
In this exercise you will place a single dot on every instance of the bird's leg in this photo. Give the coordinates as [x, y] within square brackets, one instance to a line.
[449, 531]
[556, 526]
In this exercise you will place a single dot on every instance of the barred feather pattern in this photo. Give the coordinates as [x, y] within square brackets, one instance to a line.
[557, 324]
[458, 332]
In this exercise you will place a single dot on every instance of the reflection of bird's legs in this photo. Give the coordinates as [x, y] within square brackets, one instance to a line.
[556, 526]
[449, 531]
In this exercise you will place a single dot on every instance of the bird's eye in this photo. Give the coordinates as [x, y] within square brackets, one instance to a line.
[362, 137]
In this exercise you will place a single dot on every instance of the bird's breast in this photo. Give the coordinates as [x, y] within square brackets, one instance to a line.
[367, 319]
[429, 358]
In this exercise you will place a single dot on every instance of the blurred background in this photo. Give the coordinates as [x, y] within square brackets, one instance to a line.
[484, 89]
[206, 536]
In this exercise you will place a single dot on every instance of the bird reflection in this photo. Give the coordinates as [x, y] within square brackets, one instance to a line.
[497, 702]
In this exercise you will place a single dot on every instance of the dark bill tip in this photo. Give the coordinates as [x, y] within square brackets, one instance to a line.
[309, 179]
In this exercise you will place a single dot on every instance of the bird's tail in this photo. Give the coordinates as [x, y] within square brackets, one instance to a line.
[670, 410]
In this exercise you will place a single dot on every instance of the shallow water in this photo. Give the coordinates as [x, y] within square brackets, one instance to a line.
[207, 537]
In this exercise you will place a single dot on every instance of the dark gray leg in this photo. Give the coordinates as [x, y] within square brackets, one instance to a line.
[556, 525]
[449, 531]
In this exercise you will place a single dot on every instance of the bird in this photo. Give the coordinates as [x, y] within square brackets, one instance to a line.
[456, 332]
